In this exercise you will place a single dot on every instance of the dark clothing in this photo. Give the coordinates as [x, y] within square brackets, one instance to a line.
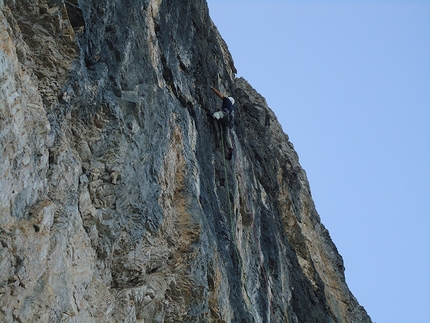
[226, 105]
[224, 126]
[227, 108]
[226, 120]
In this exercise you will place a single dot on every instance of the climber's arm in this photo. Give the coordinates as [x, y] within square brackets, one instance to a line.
[218, 93]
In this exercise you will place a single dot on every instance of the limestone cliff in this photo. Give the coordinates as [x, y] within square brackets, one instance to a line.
[116, 201]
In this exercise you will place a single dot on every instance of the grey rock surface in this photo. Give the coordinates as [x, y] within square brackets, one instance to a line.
[116, 201]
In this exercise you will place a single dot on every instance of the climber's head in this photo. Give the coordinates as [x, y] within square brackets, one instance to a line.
[231, 100]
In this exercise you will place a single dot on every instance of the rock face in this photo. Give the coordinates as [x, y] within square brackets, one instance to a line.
[116, 201]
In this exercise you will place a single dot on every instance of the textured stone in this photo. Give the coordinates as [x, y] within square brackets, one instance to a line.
[116, 201]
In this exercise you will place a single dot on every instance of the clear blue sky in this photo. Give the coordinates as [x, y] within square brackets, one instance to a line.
[350, 83]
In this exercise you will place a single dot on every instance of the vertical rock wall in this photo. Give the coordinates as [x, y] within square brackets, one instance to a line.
[116, 201]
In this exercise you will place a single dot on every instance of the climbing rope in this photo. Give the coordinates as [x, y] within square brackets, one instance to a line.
[249, 212]
[232, 227]
[230, 208]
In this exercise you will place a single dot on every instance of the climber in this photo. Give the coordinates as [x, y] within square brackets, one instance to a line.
[225, 117]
